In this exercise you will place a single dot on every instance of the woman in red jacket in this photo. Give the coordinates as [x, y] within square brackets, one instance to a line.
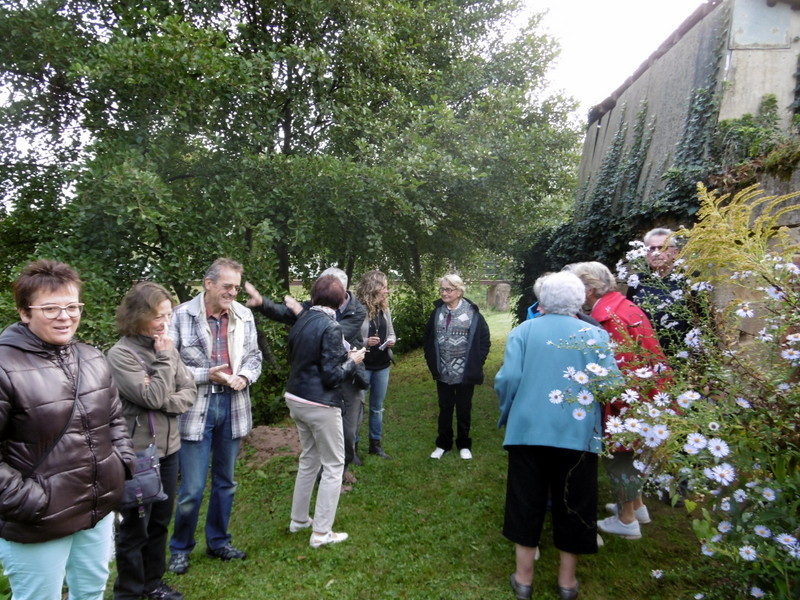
[638, 348]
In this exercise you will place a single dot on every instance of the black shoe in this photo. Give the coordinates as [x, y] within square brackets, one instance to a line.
[375, 448]
[522, 592]
[164, 592]
[568, 593]
[179, 562]
[226, 553]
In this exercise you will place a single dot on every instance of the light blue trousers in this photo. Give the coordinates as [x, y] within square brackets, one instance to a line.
[37, 571]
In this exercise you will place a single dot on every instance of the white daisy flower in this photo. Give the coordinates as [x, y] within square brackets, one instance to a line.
[614, 425]
[786, 539]
[661, 399]
[661, 431]
[697, 440]
[765, 336]
[629, 396]
[718, 448]
[580, 377]
[724, 473]
[762, 531]
[745, 311]
[633, 425]
[792, 355]
[748, 553]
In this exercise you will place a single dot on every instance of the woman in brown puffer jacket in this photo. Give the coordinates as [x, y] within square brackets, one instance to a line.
[64, 447]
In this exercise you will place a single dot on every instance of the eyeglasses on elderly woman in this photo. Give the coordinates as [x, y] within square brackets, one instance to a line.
[53, 311]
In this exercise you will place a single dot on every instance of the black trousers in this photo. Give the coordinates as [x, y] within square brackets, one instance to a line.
[141, 542]
[569, 478]
[456, 397]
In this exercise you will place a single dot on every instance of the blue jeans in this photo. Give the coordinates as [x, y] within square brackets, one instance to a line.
[378, 384]
[36, 571]
[220, 450]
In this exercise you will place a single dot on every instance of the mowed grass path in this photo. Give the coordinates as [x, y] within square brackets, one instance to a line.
[421, 528]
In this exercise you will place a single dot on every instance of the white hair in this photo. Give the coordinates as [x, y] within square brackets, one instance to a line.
[659, 231]
[562, 293]
[338, 273]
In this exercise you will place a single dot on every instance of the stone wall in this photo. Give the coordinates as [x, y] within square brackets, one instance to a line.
[744, 48]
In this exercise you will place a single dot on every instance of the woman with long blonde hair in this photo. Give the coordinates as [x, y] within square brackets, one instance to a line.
[379, 337]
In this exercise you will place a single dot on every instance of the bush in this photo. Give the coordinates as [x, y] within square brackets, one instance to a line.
[725, 423]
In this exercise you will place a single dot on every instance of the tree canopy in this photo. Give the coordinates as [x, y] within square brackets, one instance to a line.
[143, 142]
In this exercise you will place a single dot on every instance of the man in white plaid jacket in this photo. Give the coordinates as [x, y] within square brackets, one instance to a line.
[216, 338]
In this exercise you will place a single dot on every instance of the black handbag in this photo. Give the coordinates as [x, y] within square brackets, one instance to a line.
[145, 487]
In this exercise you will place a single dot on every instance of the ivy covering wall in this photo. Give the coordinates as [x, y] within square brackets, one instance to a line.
[617, 203]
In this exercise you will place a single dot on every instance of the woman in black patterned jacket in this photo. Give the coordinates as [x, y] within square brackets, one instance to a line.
[456, 343]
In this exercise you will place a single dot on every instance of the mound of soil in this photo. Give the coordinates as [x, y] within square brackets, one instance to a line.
[265, 442]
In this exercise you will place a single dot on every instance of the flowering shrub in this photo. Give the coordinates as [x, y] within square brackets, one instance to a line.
[725, 425]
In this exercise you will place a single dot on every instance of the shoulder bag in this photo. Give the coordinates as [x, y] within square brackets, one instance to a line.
[145, 487]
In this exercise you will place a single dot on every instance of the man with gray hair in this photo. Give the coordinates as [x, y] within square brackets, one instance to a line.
[658, 293]
[216, 338]
[350, 315]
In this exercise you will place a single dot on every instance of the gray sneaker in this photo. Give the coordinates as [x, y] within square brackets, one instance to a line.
[179, 562]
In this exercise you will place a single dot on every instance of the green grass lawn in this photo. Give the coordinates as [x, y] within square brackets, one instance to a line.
[421, 528]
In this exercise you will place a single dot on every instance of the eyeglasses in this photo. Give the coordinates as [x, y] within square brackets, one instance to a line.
[651, 249]
[444, 290]
[53, 311]
[229, 286]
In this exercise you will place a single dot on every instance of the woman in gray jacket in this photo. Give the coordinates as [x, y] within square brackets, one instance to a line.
[152, 381]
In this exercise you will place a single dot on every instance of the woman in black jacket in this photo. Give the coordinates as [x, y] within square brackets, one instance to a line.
[65, 447]
[320, 362]
[456, 345]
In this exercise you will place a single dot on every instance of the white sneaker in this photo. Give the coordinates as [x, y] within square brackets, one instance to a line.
[438, 453]
[295, 526]
[642, 514]
[465, 453]
[537, 555]
[629, 531]
[600, 542]
[327, 538]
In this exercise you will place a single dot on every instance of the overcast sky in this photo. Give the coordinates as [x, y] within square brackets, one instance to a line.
[603, 42]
